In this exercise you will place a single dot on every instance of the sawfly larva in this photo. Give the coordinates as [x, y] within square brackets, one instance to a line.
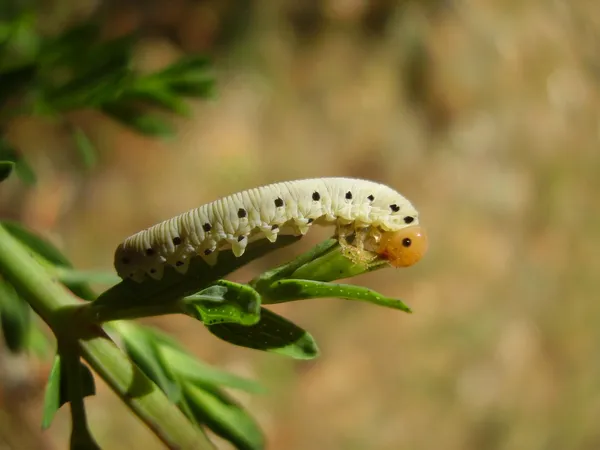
[381, 220]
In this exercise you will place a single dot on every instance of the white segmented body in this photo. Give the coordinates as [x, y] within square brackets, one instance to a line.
[281, 208]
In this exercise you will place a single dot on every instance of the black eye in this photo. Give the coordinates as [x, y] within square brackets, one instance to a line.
[241, 238]
[409, 219]
[406, 242]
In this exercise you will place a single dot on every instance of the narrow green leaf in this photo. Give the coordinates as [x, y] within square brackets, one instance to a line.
[142, 348]
[15, 318]
[224, 417]
[6, 167]
[52, 397]
[186, 368]
[225, 302]
[143, 123]
[290, 290]
[272, 333]
[86, 149]
[57, 392]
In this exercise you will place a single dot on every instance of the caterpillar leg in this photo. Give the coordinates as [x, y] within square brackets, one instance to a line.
[356, 251]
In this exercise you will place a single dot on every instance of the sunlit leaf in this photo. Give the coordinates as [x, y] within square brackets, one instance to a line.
[225, 302]
[290, 290]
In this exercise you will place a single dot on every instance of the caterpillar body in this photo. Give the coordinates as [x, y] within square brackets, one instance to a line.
[381, 220]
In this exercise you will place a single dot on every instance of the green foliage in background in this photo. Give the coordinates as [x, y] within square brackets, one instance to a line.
[174, 393]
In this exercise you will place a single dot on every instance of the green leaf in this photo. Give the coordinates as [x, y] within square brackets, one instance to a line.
[86, 149]
[57, 390]
[143, 123]
[272, 333]
[52, 396]
[142, 347]
[224, 417]
[6, 167]
[15, 318]
[186, 368]
[224, 302]
[290, 290]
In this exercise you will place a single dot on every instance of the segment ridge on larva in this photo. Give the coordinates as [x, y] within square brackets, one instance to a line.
[381, 219]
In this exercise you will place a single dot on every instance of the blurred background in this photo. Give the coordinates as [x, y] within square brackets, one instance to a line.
[485, 114]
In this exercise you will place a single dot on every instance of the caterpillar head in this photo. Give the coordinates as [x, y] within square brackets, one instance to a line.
[403, 248]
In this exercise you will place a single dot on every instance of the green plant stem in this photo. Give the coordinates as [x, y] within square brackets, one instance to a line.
[48, 298]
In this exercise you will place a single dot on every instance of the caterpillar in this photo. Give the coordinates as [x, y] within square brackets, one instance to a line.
[380, 219]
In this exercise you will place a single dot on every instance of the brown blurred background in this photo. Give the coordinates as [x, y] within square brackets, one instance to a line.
[484, 113]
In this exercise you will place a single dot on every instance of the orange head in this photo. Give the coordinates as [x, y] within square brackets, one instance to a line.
[403, 248]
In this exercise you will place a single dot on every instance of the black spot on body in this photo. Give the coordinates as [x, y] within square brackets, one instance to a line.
[149, 252]
[242, 213]
[395, 207]
[316, 196]
[179, 263]
[278, 202]
[206, 227]
[406, 242]
[176, 240]
[371, 197]
[348, 195]
[409, 219]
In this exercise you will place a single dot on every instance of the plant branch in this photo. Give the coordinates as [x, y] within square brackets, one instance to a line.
[49, 298]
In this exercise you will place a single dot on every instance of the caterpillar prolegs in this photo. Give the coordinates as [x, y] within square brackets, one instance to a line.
[381, 220]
